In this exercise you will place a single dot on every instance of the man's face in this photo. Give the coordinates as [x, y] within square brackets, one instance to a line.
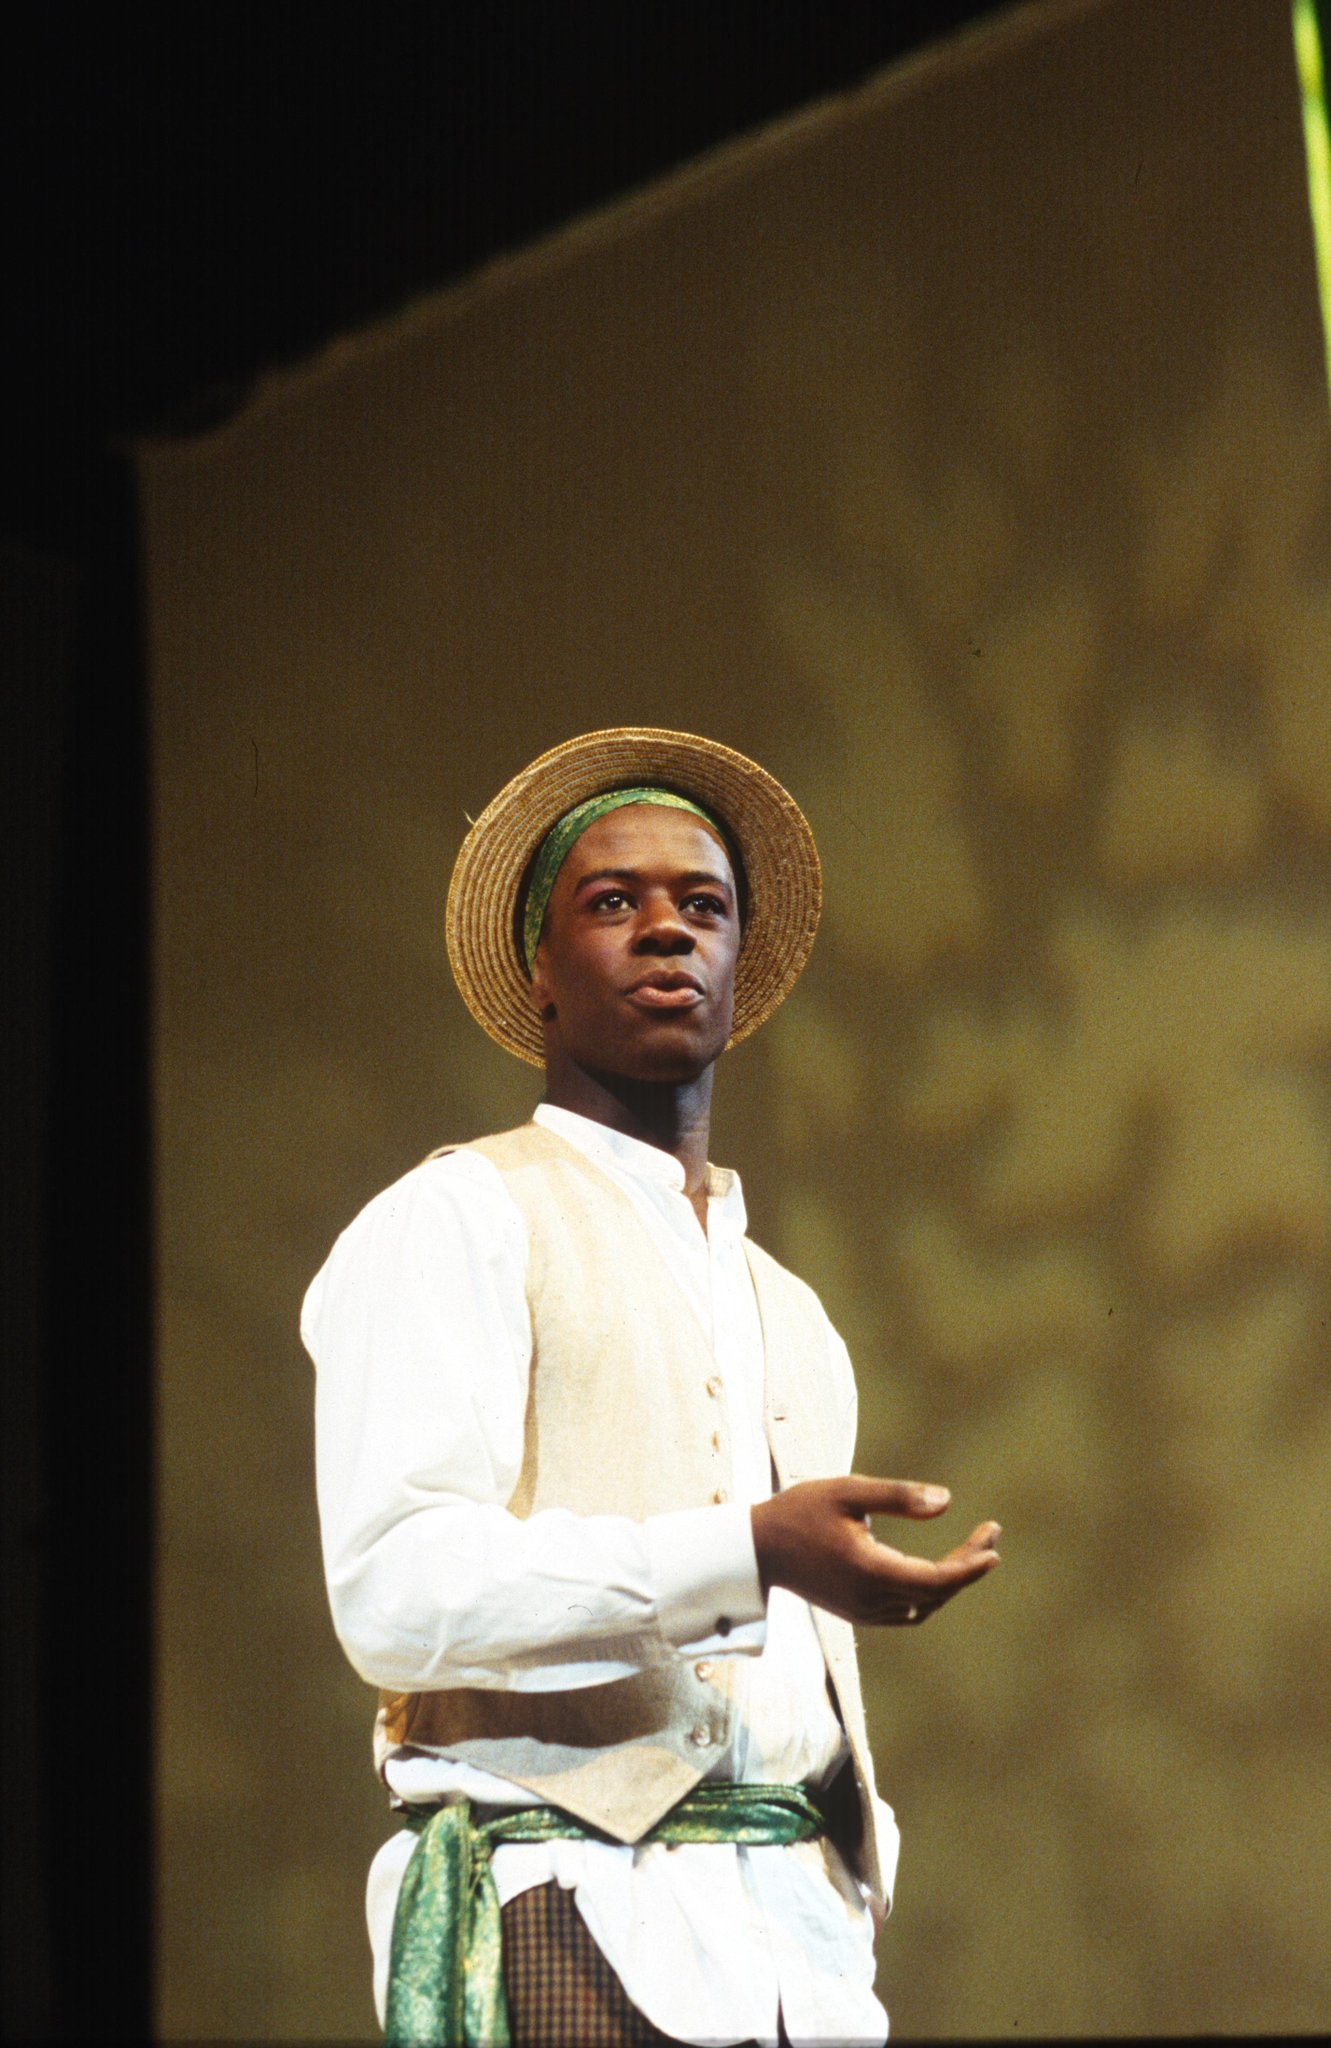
[635, 972]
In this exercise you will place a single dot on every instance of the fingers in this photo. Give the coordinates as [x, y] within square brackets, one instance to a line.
[863, 1496]
[921, 1577]
[905, 1601]
[898, 1590]
[964, 1567]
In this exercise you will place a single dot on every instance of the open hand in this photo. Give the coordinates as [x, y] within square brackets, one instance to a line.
[815, 1539]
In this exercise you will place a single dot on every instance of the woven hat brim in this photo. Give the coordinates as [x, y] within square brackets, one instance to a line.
[785, 889]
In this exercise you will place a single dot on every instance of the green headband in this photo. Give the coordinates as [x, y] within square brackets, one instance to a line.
[563, 836]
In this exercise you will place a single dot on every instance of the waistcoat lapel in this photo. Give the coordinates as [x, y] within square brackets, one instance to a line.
[803, 1443]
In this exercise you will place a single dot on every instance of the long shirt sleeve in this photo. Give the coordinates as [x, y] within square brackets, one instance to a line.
[419, 1328]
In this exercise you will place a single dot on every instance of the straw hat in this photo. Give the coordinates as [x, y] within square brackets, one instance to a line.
[781, 868]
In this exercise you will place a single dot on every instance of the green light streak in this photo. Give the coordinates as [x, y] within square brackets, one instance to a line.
[1312, 81]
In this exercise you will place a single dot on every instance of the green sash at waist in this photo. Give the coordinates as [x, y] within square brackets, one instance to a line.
[446, 1978]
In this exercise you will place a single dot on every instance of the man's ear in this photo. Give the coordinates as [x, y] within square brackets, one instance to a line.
[543, 1001]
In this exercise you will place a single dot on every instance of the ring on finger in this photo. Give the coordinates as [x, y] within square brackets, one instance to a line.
[912, 1613]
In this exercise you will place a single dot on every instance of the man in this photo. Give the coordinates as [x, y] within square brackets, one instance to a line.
[582, 1458]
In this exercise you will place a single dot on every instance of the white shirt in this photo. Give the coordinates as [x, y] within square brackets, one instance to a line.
[419, 1325]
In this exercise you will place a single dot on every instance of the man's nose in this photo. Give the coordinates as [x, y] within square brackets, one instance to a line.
[661, 929]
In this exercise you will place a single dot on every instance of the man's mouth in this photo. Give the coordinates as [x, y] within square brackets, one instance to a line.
[667, 989]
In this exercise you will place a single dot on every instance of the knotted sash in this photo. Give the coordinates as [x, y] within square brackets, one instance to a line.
[446, 1976]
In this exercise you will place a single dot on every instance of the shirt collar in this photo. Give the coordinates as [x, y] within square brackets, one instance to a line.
[643, 1162]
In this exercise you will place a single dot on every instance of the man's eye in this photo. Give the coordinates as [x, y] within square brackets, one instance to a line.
[711, 904]
[610, 899]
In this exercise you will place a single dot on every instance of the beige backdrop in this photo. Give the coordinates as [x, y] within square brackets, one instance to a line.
[962, 450]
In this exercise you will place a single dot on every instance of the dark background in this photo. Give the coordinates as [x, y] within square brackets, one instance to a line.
[188, 200]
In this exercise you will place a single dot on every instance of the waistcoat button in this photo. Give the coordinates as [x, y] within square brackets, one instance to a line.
[714, 1387]
[700, 1737]
[716, 1439]
[720, 1495]
[703, 1670]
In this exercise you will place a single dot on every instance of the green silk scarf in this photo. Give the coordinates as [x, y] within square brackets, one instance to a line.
[446, 1977]
[564, 835]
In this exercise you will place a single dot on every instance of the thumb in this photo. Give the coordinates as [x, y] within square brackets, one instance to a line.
[864, 1496]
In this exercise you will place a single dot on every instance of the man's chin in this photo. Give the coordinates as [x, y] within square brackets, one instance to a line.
[659, 1067]
[656, 1058]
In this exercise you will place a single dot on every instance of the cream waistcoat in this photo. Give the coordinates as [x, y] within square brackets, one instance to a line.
[622, 1419]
